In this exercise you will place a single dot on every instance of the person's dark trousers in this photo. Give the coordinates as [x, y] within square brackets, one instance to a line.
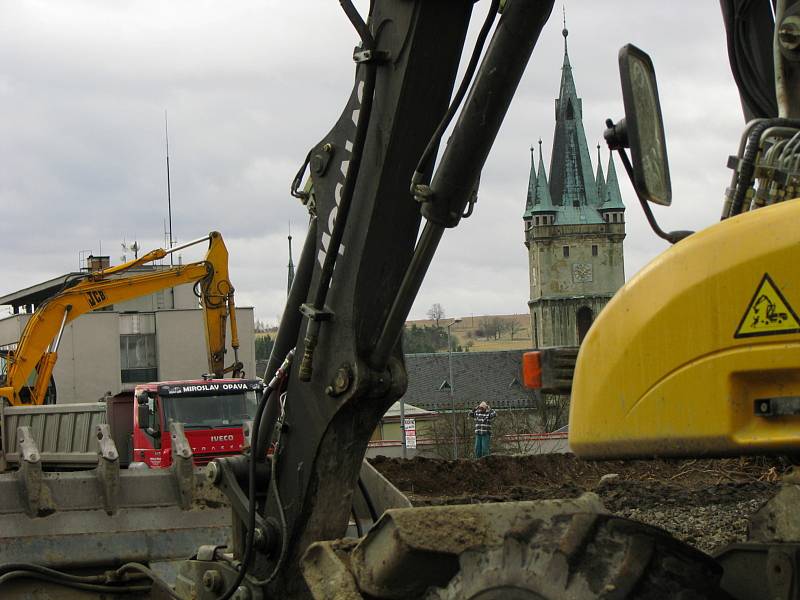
[482, 444]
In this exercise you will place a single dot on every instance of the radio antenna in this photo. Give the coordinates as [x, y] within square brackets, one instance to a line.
[169, 189]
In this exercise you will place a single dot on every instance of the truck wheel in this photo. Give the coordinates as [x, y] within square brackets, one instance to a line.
[585, 556]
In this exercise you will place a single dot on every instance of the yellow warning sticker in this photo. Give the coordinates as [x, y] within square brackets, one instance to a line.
[768, 313]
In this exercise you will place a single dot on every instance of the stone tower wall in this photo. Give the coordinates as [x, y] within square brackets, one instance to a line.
[554, 322]
[584, 271]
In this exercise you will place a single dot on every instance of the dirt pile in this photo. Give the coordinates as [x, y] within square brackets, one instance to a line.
[703, 502]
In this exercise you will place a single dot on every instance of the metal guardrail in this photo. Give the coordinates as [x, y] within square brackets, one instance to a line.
[519, 437]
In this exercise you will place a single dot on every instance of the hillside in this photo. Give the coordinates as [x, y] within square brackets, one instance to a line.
[478, 333]
[484, 333]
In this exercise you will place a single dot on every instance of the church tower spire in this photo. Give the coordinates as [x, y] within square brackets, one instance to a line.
[544, 202]
[531, 190]
[600, 181]
[574, 227]
[572, 182]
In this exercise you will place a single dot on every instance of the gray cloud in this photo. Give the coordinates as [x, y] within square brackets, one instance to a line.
[251, 85]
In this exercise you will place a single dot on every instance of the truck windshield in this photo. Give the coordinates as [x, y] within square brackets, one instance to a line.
[225, 410]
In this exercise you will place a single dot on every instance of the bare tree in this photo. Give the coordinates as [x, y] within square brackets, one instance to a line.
[553, 411]
[502, 326]
[492, 327]
[509, 431]
[436, 313]
[487, 328]
[514, 327]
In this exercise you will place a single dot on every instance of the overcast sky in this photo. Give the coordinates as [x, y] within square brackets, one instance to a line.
[250, 86]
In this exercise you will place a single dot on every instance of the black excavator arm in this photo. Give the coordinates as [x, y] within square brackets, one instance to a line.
[373, 180]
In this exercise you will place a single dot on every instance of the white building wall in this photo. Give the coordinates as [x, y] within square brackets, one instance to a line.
[181, 343]
[11, 328]
[88, 363]
[185, 297]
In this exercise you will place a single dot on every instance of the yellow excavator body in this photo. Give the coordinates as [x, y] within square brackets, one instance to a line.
[699, 353]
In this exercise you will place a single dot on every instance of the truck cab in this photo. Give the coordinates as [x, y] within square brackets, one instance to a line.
[212, 412]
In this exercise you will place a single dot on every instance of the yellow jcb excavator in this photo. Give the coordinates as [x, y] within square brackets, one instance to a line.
[37, 349]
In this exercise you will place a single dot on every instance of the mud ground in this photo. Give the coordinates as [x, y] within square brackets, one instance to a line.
[703, 502]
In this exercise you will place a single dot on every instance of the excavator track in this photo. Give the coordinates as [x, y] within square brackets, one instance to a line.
[544, 550]
[585, 556]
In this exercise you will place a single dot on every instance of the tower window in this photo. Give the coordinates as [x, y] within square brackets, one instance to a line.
[566, 251]
[594, 249]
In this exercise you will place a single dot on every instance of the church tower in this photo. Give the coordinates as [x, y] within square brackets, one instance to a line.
[574, 228]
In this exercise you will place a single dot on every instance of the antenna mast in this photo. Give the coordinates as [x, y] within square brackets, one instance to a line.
[169, 189]
[291, 264]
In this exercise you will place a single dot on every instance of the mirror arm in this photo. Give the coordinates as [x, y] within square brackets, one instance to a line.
[672, 236]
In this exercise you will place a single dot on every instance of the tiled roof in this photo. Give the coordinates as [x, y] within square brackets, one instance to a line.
[493, 377]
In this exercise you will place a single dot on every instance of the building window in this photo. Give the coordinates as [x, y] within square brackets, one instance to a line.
[137, 348]
[566, 251]
[594, 249]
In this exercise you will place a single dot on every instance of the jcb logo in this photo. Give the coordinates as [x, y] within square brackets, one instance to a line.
[95, 297]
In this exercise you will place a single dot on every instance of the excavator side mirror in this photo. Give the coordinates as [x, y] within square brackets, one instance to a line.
[643, 127]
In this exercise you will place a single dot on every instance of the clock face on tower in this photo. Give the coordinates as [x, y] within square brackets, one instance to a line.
[582, 272]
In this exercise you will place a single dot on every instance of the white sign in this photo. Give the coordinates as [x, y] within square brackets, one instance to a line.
[410, 431]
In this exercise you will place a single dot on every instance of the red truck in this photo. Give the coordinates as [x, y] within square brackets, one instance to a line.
[212, 412]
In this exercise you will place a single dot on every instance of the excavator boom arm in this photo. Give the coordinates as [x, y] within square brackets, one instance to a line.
[39, 340]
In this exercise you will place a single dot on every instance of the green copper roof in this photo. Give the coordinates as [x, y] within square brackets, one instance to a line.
[572, 181]
[578, 215]
[574, 192]
[613, 197]
[531, 190]
[599, 180]
[538, 190]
